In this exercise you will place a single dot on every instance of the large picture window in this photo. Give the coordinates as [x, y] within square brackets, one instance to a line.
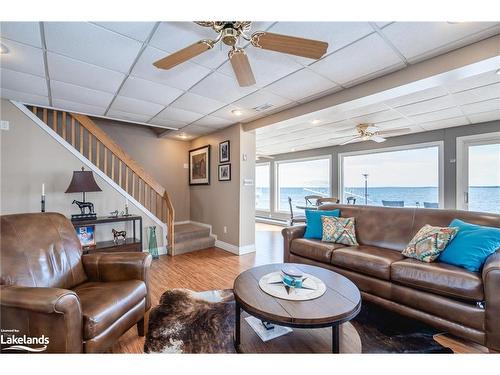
[298, 178]
[262, 187]
[395, 177]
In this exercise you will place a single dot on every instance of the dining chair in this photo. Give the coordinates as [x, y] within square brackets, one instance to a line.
[351, 200]
[295, 219]
[320, 201]
[431, 205]
[393, 203]
[310, 198]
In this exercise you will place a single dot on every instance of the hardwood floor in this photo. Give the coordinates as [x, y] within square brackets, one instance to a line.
[216, 269]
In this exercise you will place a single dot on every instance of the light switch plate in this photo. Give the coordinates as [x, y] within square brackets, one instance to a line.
[247, 182]
[4, 125]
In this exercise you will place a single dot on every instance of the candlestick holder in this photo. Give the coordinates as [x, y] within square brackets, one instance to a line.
[42, 201]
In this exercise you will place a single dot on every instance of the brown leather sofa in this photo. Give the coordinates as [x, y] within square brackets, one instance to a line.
[82, 303]
[452, 299]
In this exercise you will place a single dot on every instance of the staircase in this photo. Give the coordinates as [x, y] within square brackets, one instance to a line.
[87, 138]
[192, 237]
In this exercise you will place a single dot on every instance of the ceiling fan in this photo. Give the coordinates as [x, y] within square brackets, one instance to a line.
[229, 32]
[369, 132]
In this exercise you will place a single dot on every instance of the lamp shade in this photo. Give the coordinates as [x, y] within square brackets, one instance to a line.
[82, 182]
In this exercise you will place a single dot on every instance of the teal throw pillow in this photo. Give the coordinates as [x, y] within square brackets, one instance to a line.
[314, 229]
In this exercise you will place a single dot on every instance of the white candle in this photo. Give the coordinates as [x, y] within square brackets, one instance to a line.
[126, 202]
[43, 189]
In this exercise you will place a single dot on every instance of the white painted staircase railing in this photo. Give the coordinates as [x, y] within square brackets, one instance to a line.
[89, 143]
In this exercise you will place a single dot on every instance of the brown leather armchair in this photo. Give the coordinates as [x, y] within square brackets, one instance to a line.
[82, 303]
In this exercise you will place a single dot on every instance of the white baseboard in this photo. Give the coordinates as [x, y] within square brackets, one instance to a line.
[236, 250]
[182, 222]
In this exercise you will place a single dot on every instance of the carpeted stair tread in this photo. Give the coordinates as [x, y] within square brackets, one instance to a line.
[187, 232]
[194, 244]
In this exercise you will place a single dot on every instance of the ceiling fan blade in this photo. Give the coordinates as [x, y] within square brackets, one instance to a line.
[349, 141]
[394, 131]
[241, 67]
[313, 49]
[377, 138]
[184, 54]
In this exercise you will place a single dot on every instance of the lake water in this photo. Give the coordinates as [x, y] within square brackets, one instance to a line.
[481, 198]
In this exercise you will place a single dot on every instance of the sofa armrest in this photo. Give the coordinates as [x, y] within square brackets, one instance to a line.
[52, 312]
[289, 234]
[491, 282]
[121, 266]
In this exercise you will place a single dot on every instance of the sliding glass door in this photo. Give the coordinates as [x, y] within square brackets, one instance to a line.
[478, 173]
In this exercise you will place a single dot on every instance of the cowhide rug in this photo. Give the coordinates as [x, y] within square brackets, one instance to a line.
[190, 322]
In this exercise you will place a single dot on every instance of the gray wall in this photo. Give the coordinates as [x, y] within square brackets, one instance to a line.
[448, 136]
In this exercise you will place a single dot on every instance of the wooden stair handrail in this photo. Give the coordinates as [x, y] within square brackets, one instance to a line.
[93, 128]
[170, 219]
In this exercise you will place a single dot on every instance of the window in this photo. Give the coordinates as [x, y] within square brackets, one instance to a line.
[262, 187]
[298, 178]
[478, 172]
[393, 177]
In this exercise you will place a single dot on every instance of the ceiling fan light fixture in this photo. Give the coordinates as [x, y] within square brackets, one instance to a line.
[315, 121]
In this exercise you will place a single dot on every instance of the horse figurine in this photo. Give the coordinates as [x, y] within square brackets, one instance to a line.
[83, 205]
[117, 234]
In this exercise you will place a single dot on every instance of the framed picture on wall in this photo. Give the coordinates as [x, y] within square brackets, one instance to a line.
[225, 172]
[224, 152]
[199, 166]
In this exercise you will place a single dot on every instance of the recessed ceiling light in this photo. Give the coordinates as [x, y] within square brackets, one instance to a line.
[315, 121]
[498, 72]
[183, 136]
[292, 150]
[237, 112]
[3, 49]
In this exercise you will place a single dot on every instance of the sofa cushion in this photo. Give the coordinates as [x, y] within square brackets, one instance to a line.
[314, 249]
[105, 302]
[370, 260]
[439, 278]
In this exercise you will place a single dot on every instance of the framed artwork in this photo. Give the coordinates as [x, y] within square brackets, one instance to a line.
[224, 152]
[199, 166]
[225, 172]
[86, 235]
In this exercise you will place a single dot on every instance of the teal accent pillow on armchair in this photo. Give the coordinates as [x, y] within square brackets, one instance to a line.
[471, 246]
[314, 229]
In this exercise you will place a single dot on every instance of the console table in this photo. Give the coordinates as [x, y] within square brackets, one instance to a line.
[130, 244]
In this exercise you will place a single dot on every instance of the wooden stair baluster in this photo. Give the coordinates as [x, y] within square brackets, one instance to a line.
[45, 116]
[64, 125]
[81, 139]
[105, 150]
[73, 132]
[113, 167]
[54, 120]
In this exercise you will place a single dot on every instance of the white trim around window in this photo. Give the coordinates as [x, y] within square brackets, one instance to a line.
[260, 211]
[438, 144]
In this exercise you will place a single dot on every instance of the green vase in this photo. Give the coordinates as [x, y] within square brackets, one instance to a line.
[153, 246]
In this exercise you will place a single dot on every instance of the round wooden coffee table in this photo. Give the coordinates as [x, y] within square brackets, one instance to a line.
[340, 303]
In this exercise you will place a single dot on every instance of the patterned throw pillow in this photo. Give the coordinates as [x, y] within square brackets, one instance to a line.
[339, 230]
[429, 242]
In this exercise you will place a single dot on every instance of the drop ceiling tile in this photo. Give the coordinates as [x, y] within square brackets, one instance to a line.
[474, 81]
[121, 115]
[165, 122]
[418, 96]
[484, 106]
[212, 122]
[173, 36]
[179, 115]
[221, 87]
[83, 74]
[197, 103]
[436, 116]
[320, 94]
[445, 123]
[135, 30]
[484, 117]
[417, 40]
[24, 97]
[91, 43]
[23, 32]
[227, 113]
[336, 34]
[22, 58]
[196, 130]
[78, 94]
[67, 105]
[397, 123]
[125, 104]
[179, 135]
[182, 76]
[22, 82]
[300, 85]
[478, 94]
[383, 24]
[149, 91]
[267, 66]
[425, 106]
[353, 63]
[365, 110]
[262, 98]
[377, 117]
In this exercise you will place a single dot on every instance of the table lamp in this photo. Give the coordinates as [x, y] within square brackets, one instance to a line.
[83, 182]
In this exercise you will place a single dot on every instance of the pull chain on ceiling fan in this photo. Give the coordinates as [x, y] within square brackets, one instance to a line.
[229, 32]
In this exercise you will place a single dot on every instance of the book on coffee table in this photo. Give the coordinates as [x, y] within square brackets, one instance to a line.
[266, 334]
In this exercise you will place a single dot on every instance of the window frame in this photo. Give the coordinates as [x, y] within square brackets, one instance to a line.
[277, 163]
[416, 146]
[259, 210]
